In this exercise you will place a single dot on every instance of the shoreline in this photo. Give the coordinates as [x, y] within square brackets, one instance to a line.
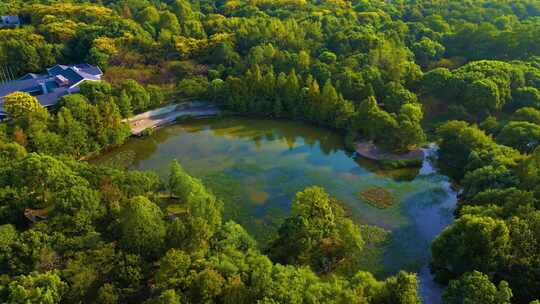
[369, 150]
[156, 118]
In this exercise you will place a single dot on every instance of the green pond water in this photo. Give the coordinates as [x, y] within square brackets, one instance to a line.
[256, 166]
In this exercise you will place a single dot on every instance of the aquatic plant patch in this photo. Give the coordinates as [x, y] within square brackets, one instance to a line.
[378, 197]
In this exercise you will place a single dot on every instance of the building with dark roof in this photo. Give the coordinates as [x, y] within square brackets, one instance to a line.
[58, 81]
[9, 21]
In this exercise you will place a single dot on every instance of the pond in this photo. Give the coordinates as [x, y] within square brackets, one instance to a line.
[256, 166]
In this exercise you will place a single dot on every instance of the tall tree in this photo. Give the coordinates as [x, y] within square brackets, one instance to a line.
[20, 105]
[475, 287]
[479, 243]
[142, 227]
[45, 288]
[317, 233]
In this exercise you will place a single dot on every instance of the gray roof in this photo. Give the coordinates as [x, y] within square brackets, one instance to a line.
[54, 70]
[9, 20]
[89, 69]
[29, 76]
[45, 86]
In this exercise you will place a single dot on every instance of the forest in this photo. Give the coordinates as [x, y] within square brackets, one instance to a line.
[464, 74]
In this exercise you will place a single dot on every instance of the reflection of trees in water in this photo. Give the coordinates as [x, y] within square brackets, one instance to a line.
[257, 140]
[401, 174]
[405, 251]
[331, 144]
[135, 150]
[269, 136]
[273, 130]
[145, 147]
[257, 131]
[291, 140]
[121, 160]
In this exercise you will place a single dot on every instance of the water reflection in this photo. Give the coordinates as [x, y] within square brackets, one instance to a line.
[256, 167]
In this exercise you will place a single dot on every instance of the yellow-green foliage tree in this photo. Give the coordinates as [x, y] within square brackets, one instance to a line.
[19, 105]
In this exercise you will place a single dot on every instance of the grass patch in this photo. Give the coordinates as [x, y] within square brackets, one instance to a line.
[147, 132]
[378, 197]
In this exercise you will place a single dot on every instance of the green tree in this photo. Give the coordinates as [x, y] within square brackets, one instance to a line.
[317, 233]
[479, 243]
[124, 104]
[483, 97]
[169, 297]
[402, 289]
[157, 97]
[410, 132]
[107, 294]
[77, 209]
[140, 99]
[527, 114]
[46, 288]
[521, 135]
[111, 129]
[205, 209]
[526, 97]
[150, 14]
[487, 177]
[44, 176]
[224, 53]
[475, 287]
[397, 96]
[169, 22]
[367, 118]
[180, 183]
[96, 90]
[328, 57]
[8, 237]
[207, 286]
[75, 134]
[98, 58]
[142, 227]
[174, 270]
[193, 87]
[457, 140]
[427, 50]
[20, 105]
[436, 82]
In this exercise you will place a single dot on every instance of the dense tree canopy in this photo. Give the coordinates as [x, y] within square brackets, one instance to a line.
[475, 287]
[465, 74]
[21, 105]
[317, 234]
[103, 240]
[142, 227]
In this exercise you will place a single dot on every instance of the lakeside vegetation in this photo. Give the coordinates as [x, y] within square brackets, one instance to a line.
[378, 197]
[463, 73]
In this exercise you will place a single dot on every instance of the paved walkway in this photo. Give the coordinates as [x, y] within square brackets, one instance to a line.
[147, 120]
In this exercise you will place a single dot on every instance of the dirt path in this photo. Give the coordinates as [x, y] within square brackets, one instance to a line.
[148, 120]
